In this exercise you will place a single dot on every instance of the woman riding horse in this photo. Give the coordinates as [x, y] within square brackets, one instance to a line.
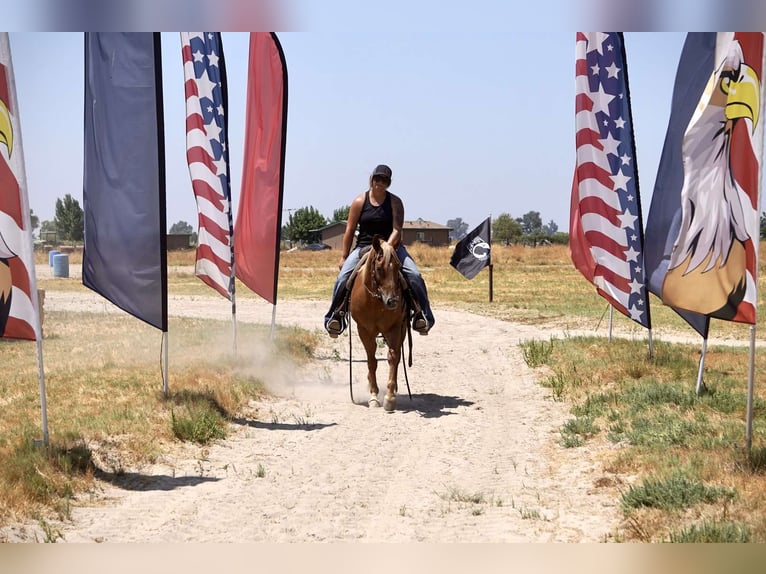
[377, 211]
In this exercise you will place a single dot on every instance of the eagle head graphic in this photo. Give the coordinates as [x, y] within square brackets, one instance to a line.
[707, 270]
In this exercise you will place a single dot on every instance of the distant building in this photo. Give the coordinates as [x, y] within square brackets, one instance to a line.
[427, 232]
[331, 234]
[177, 241]
[420, 231]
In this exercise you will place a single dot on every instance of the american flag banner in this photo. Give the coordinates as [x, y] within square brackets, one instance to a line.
[208, 156]
[605, 227]
[19, 315]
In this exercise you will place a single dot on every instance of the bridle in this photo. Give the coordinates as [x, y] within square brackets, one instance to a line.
[375, 291]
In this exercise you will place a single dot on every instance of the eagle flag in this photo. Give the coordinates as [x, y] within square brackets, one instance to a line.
[703, 224]
[125, 255]
[259, 214]
[207, 153]
[605, 226]
[473, 252]
[19, 313]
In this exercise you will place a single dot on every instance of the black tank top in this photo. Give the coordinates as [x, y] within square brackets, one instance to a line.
[375, 220]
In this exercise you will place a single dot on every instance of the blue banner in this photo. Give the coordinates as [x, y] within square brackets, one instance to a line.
[125, 257]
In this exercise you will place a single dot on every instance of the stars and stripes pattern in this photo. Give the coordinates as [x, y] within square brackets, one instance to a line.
[207, 156]
[606, 231]
[18, 309]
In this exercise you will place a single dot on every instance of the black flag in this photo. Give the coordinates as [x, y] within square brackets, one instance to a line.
[472, 253]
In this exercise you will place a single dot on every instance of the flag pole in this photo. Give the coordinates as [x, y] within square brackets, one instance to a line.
[27, 221]
[489, 237]
[611, 319]
[751, 373]
[700, 384]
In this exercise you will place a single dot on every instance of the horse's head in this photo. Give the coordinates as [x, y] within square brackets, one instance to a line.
[384, 267]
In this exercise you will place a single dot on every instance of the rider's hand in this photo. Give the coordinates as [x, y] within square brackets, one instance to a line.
[342, 261]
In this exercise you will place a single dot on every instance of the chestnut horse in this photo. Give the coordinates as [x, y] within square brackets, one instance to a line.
[377, 306]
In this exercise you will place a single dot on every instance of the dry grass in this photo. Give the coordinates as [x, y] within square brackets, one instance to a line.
[105, 400]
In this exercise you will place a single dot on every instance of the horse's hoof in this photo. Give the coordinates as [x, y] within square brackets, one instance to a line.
[374, 403]
[389, 404]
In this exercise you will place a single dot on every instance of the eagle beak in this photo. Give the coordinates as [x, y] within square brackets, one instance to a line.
[743, 99]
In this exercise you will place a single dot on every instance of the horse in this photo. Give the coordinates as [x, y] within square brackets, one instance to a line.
[378, 308]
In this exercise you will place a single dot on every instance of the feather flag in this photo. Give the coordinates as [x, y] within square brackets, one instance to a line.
[606, 231]
[473, 252]
[207, 153]
[703, 223]
[259, 213]
[125, 255]
[19, 315]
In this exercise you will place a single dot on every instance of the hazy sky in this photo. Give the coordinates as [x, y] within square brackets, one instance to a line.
[471, 123]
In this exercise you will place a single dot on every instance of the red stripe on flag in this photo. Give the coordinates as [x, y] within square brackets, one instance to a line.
[198, 154]
[15, 328]
[620, 282]
[20, 275]
[606, 243]
[195, 122]
[583, 103]
[10, 197]
[590, 170]
[190, 89]
[596, 205]
[588, 137]
[205, 252]
[203, 189]
[212, 283]
[213, 228]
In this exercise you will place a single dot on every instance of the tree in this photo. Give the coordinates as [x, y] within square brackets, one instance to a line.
[458, 229]
[69, 219]
[341, 214]
[505, 229]
[550, 228]
[181, 228]
[531, 223]
[33, 220]
[763, 225]
[300, 224]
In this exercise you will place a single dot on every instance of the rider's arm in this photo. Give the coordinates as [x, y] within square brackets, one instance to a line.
[354, 212]
[397, 210]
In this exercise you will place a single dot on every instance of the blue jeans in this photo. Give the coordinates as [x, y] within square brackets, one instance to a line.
[409, 269]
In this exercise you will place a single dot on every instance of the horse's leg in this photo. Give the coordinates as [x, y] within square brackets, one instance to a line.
[394, 356]
[370, 346]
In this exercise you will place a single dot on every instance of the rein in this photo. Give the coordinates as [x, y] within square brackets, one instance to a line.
[375, 291]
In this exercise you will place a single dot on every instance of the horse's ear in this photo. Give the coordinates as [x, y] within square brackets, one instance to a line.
[376, 243]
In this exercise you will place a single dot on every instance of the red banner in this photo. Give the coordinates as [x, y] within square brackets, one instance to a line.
[259, 215]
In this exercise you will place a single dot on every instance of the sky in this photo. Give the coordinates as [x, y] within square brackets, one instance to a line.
[473, 124]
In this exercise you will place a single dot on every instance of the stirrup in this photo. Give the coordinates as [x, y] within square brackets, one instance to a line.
[334, 327]
[420, 324]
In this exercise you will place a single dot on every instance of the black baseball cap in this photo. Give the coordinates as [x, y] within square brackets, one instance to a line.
[383, 170]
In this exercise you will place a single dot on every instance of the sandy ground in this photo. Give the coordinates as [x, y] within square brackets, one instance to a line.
[473, 456]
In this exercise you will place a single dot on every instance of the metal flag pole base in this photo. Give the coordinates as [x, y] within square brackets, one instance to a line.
[700, 383]
[165, 385]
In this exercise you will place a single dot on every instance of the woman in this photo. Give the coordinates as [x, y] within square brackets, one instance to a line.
[377, 211]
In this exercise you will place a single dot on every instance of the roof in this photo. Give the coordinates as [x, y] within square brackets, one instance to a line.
[423, 224]
[328, 226]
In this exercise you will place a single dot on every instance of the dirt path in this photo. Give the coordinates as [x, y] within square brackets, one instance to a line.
[472, 457]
